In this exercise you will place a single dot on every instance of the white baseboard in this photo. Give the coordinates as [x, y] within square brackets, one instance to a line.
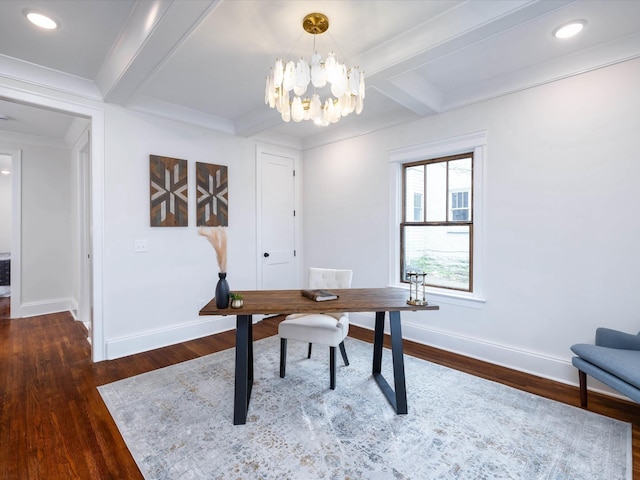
[121, 347]
[73, 308]
[45, 307]
[545, 366]
[533, 363]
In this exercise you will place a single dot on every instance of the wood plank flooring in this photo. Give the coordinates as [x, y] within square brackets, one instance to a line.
[54, 425]
[5, 303]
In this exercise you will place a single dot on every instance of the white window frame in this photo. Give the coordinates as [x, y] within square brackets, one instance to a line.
[476, 142]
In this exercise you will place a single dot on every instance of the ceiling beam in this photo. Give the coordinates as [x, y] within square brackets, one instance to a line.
[413, 92]
[152, 33]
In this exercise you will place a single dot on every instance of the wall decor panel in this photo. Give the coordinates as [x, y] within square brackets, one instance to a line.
[169, 192]
[212, 195]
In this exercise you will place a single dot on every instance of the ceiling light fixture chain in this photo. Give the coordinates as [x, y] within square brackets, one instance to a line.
[346, 84]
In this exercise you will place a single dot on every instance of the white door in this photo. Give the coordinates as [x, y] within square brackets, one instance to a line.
[278, 266]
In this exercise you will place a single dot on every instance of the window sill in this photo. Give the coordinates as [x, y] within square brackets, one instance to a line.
[459, 299]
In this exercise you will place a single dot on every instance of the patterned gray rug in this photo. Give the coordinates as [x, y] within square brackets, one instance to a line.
[177, 423]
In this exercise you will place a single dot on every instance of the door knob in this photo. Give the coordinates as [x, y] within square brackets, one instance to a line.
[266, 254]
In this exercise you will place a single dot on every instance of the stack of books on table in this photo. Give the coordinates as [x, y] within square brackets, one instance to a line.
[319, 295]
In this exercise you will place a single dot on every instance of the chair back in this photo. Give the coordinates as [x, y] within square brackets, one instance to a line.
[329, 278]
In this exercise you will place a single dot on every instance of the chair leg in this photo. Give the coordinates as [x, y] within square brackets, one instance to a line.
[583, 388]
[283, 356]
[309, 353]
[332, 367]
[343, 351]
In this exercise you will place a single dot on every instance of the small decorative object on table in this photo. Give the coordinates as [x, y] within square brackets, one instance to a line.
[217, 236]
[236, 300]
[319, 295]
[416, 297]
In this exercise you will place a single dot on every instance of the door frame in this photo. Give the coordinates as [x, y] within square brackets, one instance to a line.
[261, 150]
[83, 159]
[97, 147]
[16, 231]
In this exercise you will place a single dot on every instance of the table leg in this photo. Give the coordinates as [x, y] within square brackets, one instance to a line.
[244, 368]
[378, 339]
[397, 398]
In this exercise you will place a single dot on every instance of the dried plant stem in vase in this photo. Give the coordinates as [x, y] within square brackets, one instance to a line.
[217, 236]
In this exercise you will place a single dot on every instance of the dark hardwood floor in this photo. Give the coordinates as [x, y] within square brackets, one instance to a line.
[54, 425]
[4, 307]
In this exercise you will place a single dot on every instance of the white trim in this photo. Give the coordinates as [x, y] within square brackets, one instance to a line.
[73, 308]
[16, 234]
[459, 299]
[475, 141]
[98, 346]
[259, 151]
[533, 363]
[123, 346]
[438, 148]
[21, 138]
[82, 157]
[96, 115]
[46, 307]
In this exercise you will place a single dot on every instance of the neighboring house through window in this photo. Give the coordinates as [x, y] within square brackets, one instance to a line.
[417, 207]
[460, 210]
[436, 235]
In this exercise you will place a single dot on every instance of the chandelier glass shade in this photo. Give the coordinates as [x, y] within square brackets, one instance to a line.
[295, 88]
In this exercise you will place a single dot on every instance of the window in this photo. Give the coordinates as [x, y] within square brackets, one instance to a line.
[436, 230]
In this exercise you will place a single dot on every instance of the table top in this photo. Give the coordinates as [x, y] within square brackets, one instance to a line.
[291, 301]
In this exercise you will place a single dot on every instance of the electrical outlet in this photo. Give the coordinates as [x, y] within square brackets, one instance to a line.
[140, 246]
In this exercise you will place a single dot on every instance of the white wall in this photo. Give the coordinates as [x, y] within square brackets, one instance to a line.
[5, 210]
[46, 227]
[562, 178]
[560, 252]
[152, 299]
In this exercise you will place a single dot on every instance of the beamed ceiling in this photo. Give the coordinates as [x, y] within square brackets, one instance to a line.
[205, 61]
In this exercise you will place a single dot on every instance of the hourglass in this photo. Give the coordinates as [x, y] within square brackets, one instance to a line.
[417, 295]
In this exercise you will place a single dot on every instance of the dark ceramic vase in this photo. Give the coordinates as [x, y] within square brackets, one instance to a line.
[222, 291]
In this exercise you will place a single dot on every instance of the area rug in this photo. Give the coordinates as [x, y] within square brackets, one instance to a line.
[178, 424]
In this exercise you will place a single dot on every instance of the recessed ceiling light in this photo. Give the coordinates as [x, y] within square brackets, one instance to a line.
[5, 172]
[41, 20]
[569, 29]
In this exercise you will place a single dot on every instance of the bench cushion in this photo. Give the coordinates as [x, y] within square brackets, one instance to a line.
[624, 364]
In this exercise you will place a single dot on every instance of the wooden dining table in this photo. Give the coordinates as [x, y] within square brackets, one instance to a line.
[379, 300]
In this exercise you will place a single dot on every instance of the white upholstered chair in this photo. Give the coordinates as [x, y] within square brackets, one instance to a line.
[322, 328]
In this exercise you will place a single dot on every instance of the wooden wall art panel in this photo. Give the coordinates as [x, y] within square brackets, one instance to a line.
[169, 193]
[212, 195]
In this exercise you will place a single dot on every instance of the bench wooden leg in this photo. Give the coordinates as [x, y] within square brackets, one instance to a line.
[583, 388]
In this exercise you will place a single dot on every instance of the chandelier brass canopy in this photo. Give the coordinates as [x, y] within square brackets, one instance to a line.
[345, 85]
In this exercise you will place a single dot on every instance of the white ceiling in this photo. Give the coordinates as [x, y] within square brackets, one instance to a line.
[205, 61]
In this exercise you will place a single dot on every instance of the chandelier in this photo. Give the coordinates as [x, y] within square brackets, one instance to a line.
[290, 78]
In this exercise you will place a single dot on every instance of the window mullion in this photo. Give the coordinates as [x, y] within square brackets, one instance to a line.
[424, 195]
[404, 193]
[448, 195]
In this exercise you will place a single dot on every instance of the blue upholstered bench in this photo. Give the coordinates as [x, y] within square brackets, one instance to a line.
[614, 360]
